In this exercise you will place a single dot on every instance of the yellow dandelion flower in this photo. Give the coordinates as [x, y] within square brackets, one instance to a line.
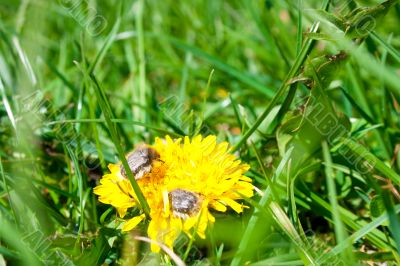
[188, 178]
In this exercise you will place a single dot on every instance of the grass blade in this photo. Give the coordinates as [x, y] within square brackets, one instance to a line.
[281, 91]
[105, 107]
[332, 194]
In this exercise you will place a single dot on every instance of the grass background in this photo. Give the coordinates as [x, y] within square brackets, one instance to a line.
[259, 74]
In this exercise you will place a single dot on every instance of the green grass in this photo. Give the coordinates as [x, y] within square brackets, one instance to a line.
[306, 92]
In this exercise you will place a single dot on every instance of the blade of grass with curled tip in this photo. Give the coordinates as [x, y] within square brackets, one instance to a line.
[367, 61]
[308, 45]
[108, 115]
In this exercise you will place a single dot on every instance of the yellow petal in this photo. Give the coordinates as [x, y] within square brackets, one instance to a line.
[197, 139]
[152, 232]
[166, 203]
[163, 231]
[189, 223]
[246, 179]
[218, 206]
[172, 232]
[121, 212]
[132, 223]
[203, 222]
[233, 204]
[114, 168]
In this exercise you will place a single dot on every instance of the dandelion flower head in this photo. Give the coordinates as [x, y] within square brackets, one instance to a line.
[189, 178]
